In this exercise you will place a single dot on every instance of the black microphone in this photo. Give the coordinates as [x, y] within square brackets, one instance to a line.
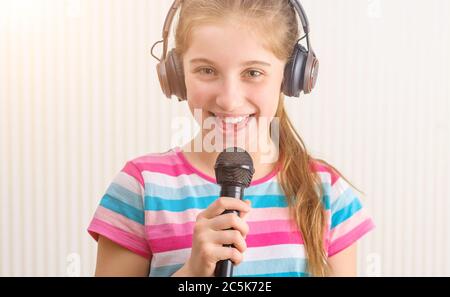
[234, 171]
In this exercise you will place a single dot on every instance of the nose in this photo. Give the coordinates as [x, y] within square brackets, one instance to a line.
[230, 96]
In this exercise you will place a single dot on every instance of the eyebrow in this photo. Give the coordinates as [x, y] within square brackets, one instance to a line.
[248, 63]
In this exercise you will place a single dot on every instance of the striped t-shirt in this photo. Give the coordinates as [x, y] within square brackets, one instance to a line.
[151, 207]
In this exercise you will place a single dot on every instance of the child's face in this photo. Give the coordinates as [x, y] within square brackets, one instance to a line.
[223, 85]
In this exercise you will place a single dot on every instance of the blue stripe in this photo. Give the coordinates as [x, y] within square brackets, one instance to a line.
[165, 271]
[126, 196]
[171, 193]
[345, 213]
[289, 267]
[326, 195]
[157, 203]
[122, 208]
[272, 266]
[344, 199]
[326, 201]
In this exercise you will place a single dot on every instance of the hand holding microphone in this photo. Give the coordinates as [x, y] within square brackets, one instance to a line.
[211, 234]
[219, 233]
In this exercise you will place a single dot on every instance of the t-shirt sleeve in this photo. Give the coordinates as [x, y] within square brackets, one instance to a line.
[349, 219]
[120, 214]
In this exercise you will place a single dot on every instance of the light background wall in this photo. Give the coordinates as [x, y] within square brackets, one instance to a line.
[79, 97]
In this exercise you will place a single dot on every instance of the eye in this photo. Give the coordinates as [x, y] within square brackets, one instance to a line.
[255, 73]
[207, 71]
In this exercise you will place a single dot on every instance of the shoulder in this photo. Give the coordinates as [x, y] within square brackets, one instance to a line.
[166, 157]
[139, 166]
[336, 191]
[326, 172]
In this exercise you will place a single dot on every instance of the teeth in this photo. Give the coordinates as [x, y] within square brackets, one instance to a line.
[234, 120]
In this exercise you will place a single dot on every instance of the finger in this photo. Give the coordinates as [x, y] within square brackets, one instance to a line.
[233, 237]
[225, 253]
[223, 203]
[243, 214]
[227, 221]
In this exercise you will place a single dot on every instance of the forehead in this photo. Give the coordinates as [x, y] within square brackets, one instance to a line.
[227, 43]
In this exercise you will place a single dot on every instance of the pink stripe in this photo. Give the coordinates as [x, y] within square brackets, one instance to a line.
[170, 243]
[169, 158]
[352, 236]
[348, 225]
[174, 230]
[169, 230]
[320, 167]
[119, 221]
[269, 213]
[124, 239]
[253, 240]
[266, 239]
[133, 171]
[190, 215]
[272, 226]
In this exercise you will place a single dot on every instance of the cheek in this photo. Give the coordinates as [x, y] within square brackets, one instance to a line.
[197, 99]
[198, 92]
[267, 101]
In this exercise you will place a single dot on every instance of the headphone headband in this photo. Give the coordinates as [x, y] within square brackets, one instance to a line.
[176, 4]
[301, 13]
[168, 24]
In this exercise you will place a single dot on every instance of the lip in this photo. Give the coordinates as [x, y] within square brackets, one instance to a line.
[229, 128]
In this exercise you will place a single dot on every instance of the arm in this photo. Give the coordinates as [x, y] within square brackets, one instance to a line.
[114, 260]
[344, 262]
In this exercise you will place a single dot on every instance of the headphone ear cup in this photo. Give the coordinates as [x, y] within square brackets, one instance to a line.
[171, 76]
[294, 72]
[163, 80]
[176, 78]
[311, 72]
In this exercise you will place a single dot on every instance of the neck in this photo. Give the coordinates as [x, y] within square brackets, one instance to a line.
[264, 158]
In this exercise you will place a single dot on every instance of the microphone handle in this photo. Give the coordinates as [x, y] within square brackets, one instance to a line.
[224, 268]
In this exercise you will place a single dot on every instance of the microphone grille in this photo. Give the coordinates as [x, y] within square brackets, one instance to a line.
[234, 166]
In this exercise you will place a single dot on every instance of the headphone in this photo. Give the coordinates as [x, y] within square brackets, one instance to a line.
[300, 72]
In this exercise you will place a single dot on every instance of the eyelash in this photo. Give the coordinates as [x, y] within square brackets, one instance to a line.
[252, 70]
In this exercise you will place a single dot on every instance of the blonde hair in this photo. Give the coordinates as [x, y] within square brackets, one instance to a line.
[300, 184]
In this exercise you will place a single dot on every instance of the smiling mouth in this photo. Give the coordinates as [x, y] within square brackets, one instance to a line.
[231, 119]
[228, 123]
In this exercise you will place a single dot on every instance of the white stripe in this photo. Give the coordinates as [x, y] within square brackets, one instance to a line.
[339, 187]
[176, 182]
[325, 177]
[274, 251]
[170, 257]
[128, 182]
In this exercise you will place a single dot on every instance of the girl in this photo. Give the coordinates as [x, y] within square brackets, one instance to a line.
[161, 216]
